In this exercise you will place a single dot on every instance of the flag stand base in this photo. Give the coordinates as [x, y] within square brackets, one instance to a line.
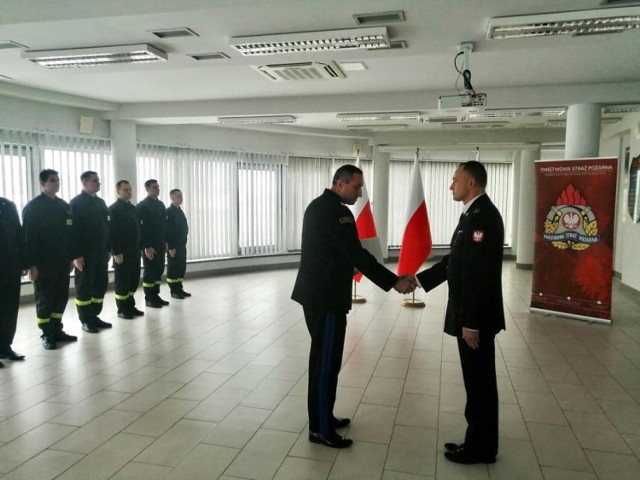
[355, 298]
[413, 303]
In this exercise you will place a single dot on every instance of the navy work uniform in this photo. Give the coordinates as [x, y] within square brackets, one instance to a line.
[153, 225]
[177, 231]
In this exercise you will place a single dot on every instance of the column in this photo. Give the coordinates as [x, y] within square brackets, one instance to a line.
[124, 148]
[526, 209]
[380, 202]
[582, 138]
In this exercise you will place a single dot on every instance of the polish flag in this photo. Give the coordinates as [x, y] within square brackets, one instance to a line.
[366, 225]
[416, 240]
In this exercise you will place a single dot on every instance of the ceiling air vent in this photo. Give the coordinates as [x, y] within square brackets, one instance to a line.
[208, 56]
[6, 44]
[175, 33]
[382, 18]
[299, 72]
[446, 119]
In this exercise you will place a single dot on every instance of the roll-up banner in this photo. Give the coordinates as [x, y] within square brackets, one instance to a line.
[573, 257]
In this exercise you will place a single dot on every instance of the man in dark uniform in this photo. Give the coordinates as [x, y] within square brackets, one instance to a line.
[91, 252]
[177, 231]
[47, 227]
[125, 249]
[153, 223]
[475, 313]
[11, 269]
[330, 251]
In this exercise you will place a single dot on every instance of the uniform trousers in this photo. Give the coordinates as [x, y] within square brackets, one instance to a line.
[481, 410]
[9, 304]
[153, 270]
[176, 268]
[127, 279]
[327, 330]
[91, 284]
[51, 290]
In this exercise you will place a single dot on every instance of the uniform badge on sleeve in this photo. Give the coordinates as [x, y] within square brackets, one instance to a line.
[478, 236]
[345, 219]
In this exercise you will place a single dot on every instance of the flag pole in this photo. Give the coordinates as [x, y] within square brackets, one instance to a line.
[413, 302]
[355, 298]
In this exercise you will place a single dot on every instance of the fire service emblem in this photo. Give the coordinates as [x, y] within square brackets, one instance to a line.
[571, 224]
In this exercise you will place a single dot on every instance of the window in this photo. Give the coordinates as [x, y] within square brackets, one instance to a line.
[15, 173]
[442, 210]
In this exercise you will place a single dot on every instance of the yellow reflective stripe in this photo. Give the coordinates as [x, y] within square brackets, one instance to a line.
[56, 315]
[83, 303]
[122, 297]
[158, 282]
[173, 280]
[147, 285]
[96, 300]
[42, 320]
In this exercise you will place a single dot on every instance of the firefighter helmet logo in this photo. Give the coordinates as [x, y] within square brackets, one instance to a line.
[570, 223]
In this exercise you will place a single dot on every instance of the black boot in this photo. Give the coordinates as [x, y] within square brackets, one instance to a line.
[48, 336]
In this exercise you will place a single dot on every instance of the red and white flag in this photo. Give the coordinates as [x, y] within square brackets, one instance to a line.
[366, 225]
[416, 240]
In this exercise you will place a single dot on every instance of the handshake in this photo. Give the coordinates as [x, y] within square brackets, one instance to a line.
[406, 284]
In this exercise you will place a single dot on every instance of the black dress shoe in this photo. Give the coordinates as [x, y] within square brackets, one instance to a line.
[162, 302]
[340, 422]
[126, 316]
[137, 313]
[89, 328]
[177, 295]
[332, 440]
[98, 323]
[185, 294]
[153, 304]
[466, 457]
[453, 447]
[62, 336]
[9, 354]
[48, 342]
[1, 365]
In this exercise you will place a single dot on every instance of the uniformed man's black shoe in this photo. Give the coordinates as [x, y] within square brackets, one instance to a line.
[62, 336]
[177, 295]
[332, 440]
[100, 324]
[137, 313]
[87, 327]
[340, 422]
[126, 316]
[453, 447]
[163, 302]
[153, 304]
[185, 294]
[48, 342]
[465, 457]
[9, 354]
[1, 365]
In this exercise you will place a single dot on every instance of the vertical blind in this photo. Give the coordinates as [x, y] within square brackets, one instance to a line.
[442, 210]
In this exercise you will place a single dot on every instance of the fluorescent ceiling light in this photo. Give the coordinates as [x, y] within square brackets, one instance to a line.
[377, 128]
[353, 66]
[369, 38]
[581, 22]
[256, 120]
[383, 116]
[622, 108]
[475, 125]
[90, 57]
[489, 114]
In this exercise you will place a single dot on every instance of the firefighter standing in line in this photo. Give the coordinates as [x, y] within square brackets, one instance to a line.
[125, 250]
[47, 227]
[91, 252]
[177, 231]
[153, 224]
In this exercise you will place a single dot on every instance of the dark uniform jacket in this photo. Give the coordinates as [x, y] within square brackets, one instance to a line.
[473, 270]
[124, 228]
[47, 226]
[330, 251]
[177, 228]
[11, 239]
[153, 223]
[90, 224]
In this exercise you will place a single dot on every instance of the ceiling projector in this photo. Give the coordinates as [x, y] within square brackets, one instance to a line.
[475, 101]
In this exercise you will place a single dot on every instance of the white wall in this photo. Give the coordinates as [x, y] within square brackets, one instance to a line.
[627, 233]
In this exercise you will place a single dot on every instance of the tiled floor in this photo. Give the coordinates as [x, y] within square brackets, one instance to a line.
[214, 387]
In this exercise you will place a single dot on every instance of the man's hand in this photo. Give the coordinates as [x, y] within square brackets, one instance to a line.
[118, 258]
[472, 337]
[150, 252]
[172, 252]
[79, 263]
[405, 284]
[33, 274]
